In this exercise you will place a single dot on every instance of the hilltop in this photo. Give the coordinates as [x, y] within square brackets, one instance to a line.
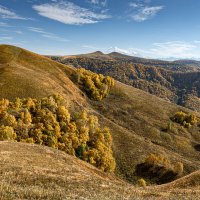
[25, 74]
[140, 123]
[177, 81]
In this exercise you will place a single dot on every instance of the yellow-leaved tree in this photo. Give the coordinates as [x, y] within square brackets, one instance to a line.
[48, 122]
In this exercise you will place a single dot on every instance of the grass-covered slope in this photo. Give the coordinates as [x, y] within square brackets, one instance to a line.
[141, 125]
[25, 74]
[36, 172]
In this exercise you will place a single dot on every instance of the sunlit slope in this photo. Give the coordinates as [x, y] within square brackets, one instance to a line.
[141, 125]
[38, 172]
[25, 74]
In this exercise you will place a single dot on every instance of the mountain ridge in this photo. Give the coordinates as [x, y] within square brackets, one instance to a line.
[120, 54]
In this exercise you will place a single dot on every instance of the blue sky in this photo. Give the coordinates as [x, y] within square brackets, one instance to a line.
[147, 28]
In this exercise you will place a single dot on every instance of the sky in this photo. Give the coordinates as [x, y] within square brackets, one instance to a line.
[164, 29]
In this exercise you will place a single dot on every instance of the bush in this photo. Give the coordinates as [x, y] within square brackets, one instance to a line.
[158, 169]
[142, 183]
[186, 120]
[48, 122]
[7, 133]
[178, 168]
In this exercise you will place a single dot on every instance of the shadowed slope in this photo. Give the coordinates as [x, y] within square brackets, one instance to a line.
[191, 181]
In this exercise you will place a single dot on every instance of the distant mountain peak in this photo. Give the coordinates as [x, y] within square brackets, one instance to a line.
[99, 52]
[95, 54]
[115, 53]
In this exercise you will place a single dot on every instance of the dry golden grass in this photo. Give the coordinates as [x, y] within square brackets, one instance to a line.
[25, 74]
[137, 121]
[37, 172]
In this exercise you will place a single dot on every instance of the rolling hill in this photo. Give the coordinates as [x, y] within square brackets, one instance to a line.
[139, 122]
[176, 81]
[37, 172]
[25, 74]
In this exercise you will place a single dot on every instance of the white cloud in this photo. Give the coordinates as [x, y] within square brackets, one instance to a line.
[94, 1]
[2, 24]
[18, 32]
[89, 47]
[135, 5]
[69, 13]
[129, 51]
[197, 41]
[37, 30]
[47, 34]
[5, 13]
[99, 2]
[172, 49]
[142, 11]
[54, 37]
[175, 47]
[146, 13]
[3, 38]
[163, 50]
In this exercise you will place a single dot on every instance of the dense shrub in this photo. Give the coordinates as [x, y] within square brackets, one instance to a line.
[142, 183]
[7, 133]
[48, 122]
[158, 169]
[96, 86]
[186, 120]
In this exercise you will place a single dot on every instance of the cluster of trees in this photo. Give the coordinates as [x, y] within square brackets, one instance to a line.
[158, 169]
[186, 120]
[151, 79]
[48, 122]
[95, 85]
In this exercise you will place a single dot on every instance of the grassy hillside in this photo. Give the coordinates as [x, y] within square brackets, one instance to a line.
[175, 81]
[24, 74]
[140, 123]
[36, 172]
